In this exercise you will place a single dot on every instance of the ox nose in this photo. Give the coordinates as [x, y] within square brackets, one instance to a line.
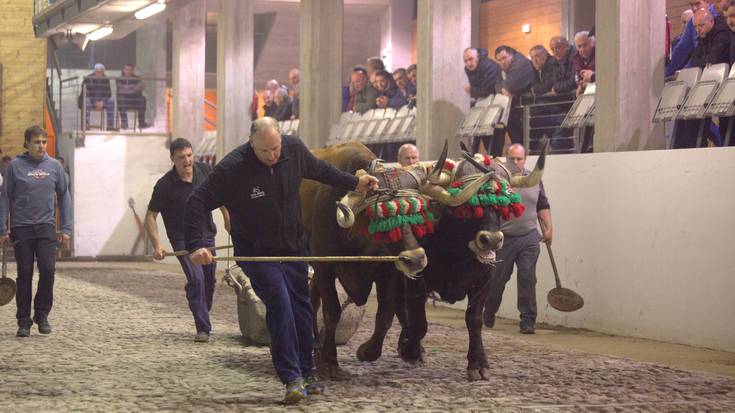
[487, 240]
[412, 261]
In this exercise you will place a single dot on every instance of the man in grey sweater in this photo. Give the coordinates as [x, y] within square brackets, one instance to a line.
[31, 181]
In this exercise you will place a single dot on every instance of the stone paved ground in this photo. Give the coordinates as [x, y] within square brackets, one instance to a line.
[123, 342]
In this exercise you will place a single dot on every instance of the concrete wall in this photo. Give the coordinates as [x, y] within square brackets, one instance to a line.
[23, 58]
[646, 238]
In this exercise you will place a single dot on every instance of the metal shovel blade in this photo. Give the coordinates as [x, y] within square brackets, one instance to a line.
[564, 299]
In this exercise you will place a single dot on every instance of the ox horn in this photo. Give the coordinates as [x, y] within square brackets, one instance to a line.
[535, 177]
[442, 196]
[436, 173]
[346, 207]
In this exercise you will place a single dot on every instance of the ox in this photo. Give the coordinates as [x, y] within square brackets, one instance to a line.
[461, 254]
[386, 222]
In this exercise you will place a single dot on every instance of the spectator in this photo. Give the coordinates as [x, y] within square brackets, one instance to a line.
[518, 79]
[725, 121]
[390, 96]
[358, 96]
[564, 54]
[269, 104]
[294, 79]
[583, 62]
[130, 96]
[374, 64]
[482, 74]
[546, 70]
[686, 15]
[283, 106]
[407, 89]
[408, 154]
[682, 52]
[96, 88]
[411, 72]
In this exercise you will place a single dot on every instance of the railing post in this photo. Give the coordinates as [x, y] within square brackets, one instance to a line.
[527, 127]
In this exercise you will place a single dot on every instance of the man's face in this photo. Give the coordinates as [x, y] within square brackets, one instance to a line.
[731, 18]
[584, 46]
[470, 60]
[703, 24]
[412, 76]
[294, 78]
[37, 147]
[517, 155]
[127, 70]
[697, 4]
[504, 60]
[267, 146]
[720, 5]
[358, 81]
[267, 97]
[401, 79]
[558, 48]
[99, 72]
[538, 58]
[381, 83]
[409, 156]
[183, 160]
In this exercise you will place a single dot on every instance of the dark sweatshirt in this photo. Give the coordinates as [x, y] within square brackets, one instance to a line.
[264, 206]
[28, 193]
[714, 47]
[485, 76]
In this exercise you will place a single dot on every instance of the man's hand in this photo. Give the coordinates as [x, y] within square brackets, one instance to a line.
[587, 75]
[202, 256]
[546, 236]
[64, 241]
[366, 183]
[158, 252]
[382, 101]
[5, 240]
[506, 92]
[468, 89]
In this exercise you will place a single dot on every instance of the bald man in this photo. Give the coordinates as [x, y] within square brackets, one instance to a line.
[714, 40]
[408, 154]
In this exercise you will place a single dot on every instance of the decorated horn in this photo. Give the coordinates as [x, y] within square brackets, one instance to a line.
[346, 207]
[535, 177]
[442, 196]
[435, 175]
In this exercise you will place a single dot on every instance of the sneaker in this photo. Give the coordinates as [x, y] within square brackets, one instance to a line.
[23, 332]
[43, 326]
[144, 125]
[201, 337]
[313, 386]
[294, 391]
[527, 327]
[488, 320]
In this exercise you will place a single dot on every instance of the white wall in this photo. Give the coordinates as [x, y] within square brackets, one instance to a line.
[647, 238]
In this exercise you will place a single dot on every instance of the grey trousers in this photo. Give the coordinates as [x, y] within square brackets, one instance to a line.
[523, 251]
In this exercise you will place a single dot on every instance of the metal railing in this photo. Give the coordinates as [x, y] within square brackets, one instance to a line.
[40, 5]
[542, 117]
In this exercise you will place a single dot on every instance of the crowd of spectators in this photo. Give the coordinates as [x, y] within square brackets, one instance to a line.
[280, 101]
[96, 94]
[372, 86]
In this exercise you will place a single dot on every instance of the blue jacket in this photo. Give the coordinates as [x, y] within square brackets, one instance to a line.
[28, 193]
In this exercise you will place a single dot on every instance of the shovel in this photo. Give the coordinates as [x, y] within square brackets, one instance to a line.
[7, 285]
[563, 299]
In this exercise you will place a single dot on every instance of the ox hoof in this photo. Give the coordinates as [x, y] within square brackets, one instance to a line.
[368, 352]
[331, 371]
[473, 375]
[412, 353]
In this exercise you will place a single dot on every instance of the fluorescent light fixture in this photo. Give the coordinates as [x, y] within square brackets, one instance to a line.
[526, 28]
[100, 33]
[150, 10]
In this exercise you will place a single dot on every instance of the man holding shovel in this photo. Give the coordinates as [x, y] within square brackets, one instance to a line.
[169, 198]
[32, 180]
[521, 247]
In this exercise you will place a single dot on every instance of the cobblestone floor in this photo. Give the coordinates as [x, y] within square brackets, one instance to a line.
[122, 341]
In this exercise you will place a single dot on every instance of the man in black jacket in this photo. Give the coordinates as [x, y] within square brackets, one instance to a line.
[483, 74]
[519, 75]
[258, 183]
[563, 53]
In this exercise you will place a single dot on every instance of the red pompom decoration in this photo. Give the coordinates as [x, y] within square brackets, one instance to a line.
[478, 212]
[504, 212]
[518, 209]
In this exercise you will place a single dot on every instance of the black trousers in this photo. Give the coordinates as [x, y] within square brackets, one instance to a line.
[34, 243]
[134, 102]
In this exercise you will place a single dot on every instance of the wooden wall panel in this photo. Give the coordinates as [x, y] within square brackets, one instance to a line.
[501, 21]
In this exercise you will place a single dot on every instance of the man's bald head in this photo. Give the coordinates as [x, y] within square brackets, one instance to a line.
[408, 154]
[470, 58]
[685, 16]
[265, 140]
[703, 22]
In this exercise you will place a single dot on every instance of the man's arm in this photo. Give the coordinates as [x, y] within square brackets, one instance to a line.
[152, 230]
[211, 194]
[683, 50]
[544, 219]
[64, 199]
[226, 218]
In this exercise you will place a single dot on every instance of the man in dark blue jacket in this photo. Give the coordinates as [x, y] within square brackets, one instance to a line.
[483, 74]
[519, 77]
[258, 183]
[33, 182]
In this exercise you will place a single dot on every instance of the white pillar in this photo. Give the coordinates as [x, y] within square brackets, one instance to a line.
[188, 71]
[443, 33]
[400, 36]
[150, 62]
[629, 74]
[234, 73]
[320, 51]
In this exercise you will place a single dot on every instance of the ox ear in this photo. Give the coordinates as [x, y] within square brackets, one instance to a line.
[435, 174]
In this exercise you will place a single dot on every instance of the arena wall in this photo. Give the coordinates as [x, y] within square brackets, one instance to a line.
[647, 239]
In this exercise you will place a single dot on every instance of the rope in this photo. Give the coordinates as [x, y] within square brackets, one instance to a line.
[337, 258]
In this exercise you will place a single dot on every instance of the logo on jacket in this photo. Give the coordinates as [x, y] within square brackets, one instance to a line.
[39, 174]
[256, 193]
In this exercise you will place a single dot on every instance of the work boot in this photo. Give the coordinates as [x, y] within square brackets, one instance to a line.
[527, 327]
[295, 391]
[43, 325]
[23, 331]
[313, 386]
[202, 337]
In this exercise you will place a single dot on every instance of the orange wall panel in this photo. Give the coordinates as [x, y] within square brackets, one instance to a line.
[674, 8]
[501, 21]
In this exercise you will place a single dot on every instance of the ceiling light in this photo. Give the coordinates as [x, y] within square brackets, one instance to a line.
[150, 10]
[100, 33]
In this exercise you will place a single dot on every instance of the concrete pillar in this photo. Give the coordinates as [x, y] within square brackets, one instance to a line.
[234, 73]
[320, 51]
[475, 35]
[629, 73]
[442, 101]
[151, 64]
[188, 70]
